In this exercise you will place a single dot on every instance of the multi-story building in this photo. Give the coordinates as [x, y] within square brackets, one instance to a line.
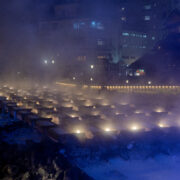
[162, 64]
[78, 39]
[85, 34]
[142, 26]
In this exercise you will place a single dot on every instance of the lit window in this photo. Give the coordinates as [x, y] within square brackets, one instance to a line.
[125, 34]
[139, 72]
[100, 42]
[76, 26]
[82, 23]
[81, 58]
[102, 57]
[147, 18]
[125, 45]
[123, 18]
[100, 26]
[93, 23]
[139, 35]
[144, 36]
[147, 7]
[97, 25]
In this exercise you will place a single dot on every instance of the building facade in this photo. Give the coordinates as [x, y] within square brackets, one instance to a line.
[142, 26]
[85, 34]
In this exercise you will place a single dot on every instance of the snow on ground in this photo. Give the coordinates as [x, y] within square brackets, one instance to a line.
[159, 168]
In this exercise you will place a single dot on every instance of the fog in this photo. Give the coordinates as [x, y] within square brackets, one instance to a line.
[23, 51]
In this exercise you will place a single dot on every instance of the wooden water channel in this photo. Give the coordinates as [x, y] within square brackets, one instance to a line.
[43, 125]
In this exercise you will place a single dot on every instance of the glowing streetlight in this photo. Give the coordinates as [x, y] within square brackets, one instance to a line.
[92, 66]
[91, 79]
[74, 78]
[127, 81]
[149, 82]
[53, 61]
[45, 61]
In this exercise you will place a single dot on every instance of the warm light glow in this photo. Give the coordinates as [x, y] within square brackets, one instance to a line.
[137, 111]
[66, 84]
[162, 125]
[149, 82]
[107, 129]
[53, 61]
[34, 111]
[127, 81]
[134, 128]
[19, 104]
[92, 66]
[78, 131]
[91, 79]
[112, 106]
[74, 78]
[159, 110]
[37, 103]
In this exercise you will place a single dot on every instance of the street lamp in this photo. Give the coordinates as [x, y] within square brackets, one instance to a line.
[92, 66]
[127, 81]
[45, 61]
[53, 61]
[91, 79]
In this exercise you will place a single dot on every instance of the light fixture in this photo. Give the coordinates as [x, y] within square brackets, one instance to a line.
[107, 129]
[92, 66]
[78, 131]
[134, 127]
